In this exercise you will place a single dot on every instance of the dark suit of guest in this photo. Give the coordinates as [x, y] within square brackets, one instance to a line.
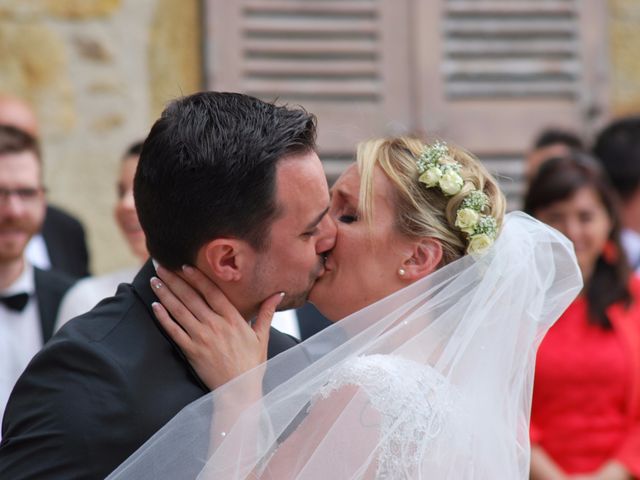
[310, 321]
[66, 243]
[51, 287]
[99, 389]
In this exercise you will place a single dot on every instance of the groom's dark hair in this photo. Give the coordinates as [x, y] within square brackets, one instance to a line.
[208, 169]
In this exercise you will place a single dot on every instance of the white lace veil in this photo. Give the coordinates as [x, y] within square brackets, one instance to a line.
[468, 333]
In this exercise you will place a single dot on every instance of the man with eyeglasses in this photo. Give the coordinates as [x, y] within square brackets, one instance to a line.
[61, 244]
[29, 297]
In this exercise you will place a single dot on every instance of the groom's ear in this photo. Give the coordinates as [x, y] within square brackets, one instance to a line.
[426, 255]
[225, 258]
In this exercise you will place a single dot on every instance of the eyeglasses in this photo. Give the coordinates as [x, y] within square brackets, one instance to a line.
[26, 195]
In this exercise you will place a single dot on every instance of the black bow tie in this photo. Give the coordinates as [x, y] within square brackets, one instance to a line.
[15, 302]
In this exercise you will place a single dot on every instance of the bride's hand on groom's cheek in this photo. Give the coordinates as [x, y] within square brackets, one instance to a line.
[217, 341]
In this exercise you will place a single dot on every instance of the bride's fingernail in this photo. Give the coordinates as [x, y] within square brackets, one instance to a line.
[155, 282]
[187, 269]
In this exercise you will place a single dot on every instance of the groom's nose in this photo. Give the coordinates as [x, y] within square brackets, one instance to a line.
[327, 235]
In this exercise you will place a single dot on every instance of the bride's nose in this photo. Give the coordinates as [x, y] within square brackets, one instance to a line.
[327, 236]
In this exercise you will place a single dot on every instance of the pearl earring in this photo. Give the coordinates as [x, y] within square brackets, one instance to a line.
[401, 272]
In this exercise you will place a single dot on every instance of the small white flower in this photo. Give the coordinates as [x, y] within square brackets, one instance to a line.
[451, 182]
[467, 219]
[447, 160]
[478, 244]
[431, 177]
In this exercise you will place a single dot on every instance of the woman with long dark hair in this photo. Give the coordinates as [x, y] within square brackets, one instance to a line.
[585, 420]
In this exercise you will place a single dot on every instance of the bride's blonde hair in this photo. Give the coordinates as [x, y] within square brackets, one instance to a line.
[422, 211]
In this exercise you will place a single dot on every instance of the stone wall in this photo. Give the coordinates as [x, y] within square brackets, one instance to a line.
[97, 72]
[624, 37]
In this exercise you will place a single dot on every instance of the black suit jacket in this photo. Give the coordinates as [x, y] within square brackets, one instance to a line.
[50, 288]
[98, 390]
[310, 321]
[66, 243]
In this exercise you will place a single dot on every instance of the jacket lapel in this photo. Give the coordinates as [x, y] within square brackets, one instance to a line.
[48, 303]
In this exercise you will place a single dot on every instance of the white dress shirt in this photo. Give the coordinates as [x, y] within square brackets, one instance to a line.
[287, 322]
[20, 334]
[37, 252]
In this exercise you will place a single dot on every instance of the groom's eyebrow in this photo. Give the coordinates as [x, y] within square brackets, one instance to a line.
[317, 220]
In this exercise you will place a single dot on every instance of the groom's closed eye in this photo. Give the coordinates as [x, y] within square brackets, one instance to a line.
[312, 228]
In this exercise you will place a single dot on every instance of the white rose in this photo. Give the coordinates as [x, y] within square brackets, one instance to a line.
[431, 177]
[451, 182]
[479, 244]
[467, 219]
[447, 160]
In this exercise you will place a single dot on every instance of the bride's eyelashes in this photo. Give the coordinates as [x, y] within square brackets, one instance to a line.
[348, 218]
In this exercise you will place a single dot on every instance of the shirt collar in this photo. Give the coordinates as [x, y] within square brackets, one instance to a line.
[25, 283]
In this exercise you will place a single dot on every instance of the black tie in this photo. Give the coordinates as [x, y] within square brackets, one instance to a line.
[15, 302]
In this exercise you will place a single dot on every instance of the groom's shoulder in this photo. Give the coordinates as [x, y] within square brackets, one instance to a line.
[94, 393]
[65, 394]
[115, 322]
[101, 324]
[88, 352]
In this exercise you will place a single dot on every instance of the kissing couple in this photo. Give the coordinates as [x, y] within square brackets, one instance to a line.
[439, 302]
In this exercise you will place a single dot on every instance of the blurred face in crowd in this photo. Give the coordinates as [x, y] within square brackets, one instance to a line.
[16, 113]
[584, 220]
[125, 210]
[537, 157]
[22, 203]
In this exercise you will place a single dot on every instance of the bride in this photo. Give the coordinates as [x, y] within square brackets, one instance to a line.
[428, 375]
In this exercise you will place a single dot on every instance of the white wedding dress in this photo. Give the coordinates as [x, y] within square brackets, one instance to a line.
[433, 382]
[420, 413]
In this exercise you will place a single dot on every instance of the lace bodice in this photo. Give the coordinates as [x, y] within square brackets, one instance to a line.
[417, 407]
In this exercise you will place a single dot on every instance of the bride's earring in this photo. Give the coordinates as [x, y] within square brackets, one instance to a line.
[401, 272]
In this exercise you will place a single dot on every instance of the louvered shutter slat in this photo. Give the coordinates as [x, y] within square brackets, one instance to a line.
[337, 58]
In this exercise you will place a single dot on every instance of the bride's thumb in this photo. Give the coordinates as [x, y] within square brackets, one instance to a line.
[265, 315]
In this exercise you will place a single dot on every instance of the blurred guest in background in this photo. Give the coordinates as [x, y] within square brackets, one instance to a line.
[618, 148]
[550, 143]
[585, 420]
[61, 244]
[89, 291]
[29, 297]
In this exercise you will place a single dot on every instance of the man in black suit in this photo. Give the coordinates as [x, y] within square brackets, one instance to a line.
[61, 244]
[29, 297]
[225, 182]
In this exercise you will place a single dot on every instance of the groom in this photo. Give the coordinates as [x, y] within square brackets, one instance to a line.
[225, 182]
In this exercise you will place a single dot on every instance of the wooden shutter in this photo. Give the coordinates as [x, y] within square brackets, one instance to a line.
[347, 61]
[497, 72]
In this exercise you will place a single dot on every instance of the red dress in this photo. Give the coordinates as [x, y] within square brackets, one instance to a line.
[586, 396]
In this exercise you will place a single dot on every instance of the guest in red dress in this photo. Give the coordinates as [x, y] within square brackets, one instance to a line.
[585, 419]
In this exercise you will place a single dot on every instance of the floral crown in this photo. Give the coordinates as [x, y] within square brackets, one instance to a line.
[438, 168]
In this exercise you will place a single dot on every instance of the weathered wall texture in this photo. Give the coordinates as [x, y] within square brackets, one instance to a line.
[624, 36]
[98, 72]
